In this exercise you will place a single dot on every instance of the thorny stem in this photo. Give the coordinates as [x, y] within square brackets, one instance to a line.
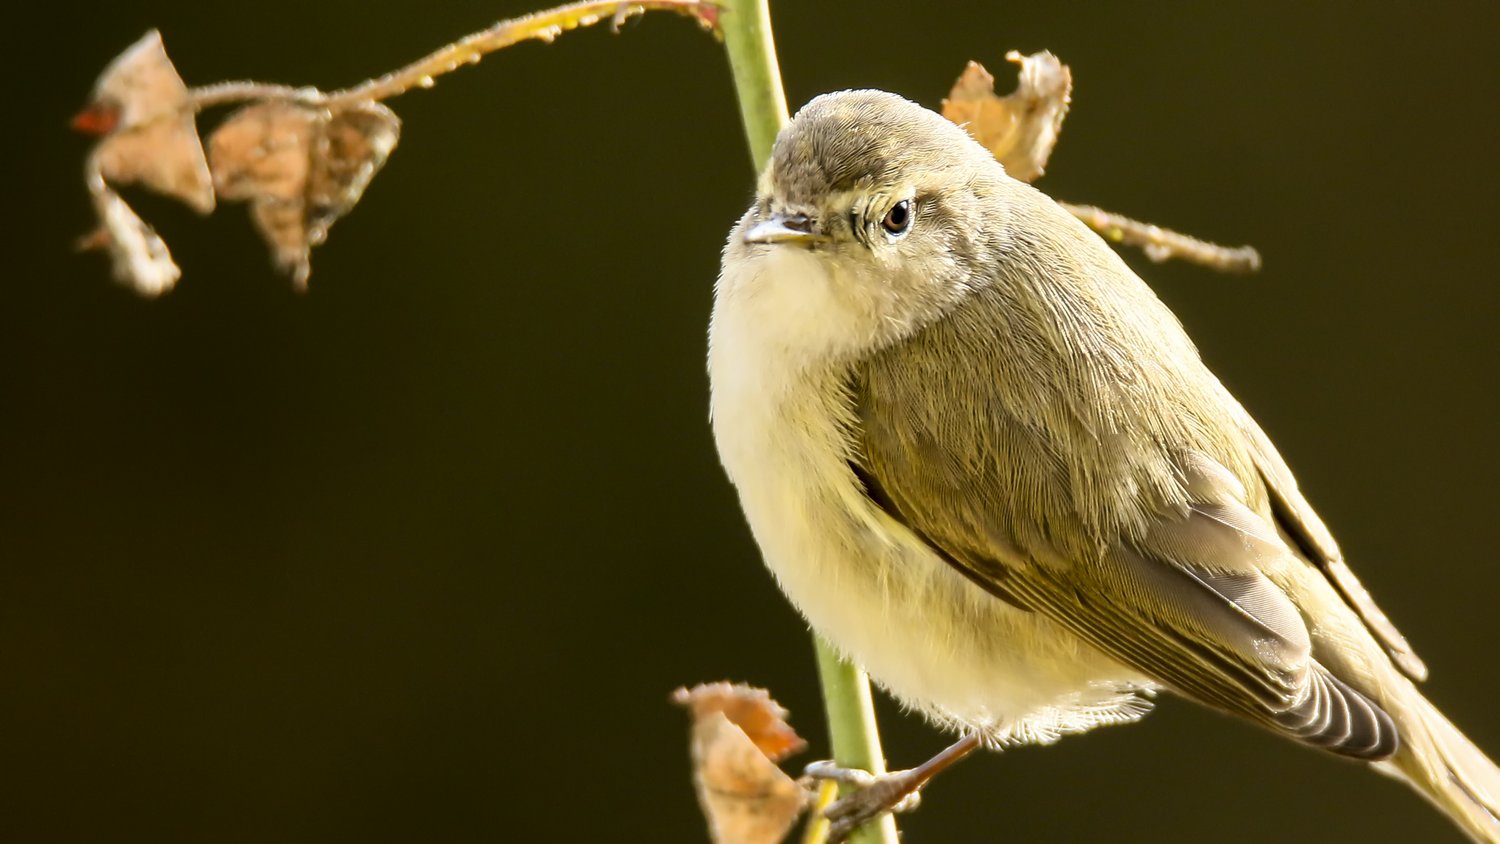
[746, 26]
[1161, 244]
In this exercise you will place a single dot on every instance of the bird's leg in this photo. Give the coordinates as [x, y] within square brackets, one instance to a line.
[897, 791]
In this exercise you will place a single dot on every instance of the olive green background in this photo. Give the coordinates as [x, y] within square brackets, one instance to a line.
[419, 555]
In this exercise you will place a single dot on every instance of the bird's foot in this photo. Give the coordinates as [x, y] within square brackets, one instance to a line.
[898, 791]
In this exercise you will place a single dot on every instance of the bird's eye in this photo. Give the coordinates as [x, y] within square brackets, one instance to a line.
[898, 219]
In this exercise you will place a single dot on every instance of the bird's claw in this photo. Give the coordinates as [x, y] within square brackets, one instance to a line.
[898, 791]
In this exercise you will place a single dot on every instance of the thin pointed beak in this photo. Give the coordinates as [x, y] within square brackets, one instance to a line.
[785, 228]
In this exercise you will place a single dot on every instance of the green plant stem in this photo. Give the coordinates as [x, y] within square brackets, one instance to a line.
[852, 730]
[746, 25]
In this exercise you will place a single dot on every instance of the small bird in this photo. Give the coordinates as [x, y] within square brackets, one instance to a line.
[988, 465]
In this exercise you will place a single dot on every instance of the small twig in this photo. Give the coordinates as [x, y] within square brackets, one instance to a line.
[224, 93]
[1161, 244]
[542, 26]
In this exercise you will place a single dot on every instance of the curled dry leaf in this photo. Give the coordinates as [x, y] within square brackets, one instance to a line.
[746, 798]
[739, 733]
[1020, 129]
[142, 108]
[751, 709]
[301, 167]
[138, 257]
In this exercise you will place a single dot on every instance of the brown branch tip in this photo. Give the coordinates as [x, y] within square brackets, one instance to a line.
[1161, 244]
[300, 157]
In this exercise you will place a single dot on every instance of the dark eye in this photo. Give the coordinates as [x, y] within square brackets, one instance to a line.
[898, 219]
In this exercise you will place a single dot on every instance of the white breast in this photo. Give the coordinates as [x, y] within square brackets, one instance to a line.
[922, 630]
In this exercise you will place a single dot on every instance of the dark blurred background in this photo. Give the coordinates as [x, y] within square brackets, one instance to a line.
[420, 554]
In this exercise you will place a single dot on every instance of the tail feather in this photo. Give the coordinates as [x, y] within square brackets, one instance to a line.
[1446, 768]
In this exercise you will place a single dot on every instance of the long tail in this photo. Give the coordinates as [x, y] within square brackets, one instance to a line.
[1446, 768]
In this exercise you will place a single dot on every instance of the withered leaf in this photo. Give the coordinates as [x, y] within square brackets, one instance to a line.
[138, 256]
[746, 798]
[164, 155]
[301, 167]
[355, 144]
[263, 151]
[1019, 129]
[142, 108]
[141, 84]
[751, 709]
[738, 733]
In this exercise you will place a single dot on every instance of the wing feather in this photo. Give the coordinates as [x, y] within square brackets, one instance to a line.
[1295, 516]
[1174, 587]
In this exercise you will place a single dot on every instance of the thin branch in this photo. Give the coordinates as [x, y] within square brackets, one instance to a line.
[541, 26]
[1161, 244]
[225, 93]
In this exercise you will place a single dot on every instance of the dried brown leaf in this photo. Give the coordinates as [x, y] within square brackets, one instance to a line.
[141, 84]
[262, 154]
[164, 155]
[751, 709]
[138, 257]
[746, 798]
[301, 168]
[263, 151]
[1019, 129]
[355, 144]
[142, 108]
[737, 733]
